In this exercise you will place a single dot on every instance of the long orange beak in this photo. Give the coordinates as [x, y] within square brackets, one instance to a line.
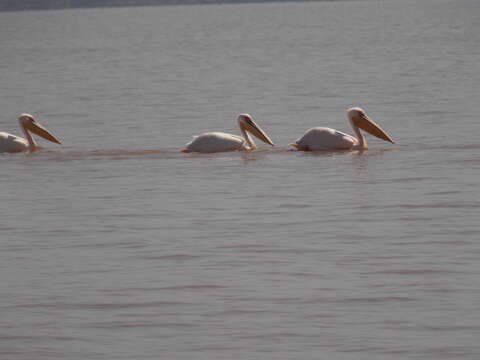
[38, 129]
[254, 129]
[365, 123]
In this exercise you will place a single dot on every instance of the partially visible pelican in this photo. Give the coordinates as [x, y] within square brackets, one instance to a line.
[321, 138]
[11, 143]
[211, 142]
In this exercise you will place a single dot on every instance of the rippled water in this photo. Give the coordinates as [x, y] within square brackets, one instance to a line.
[117, 246]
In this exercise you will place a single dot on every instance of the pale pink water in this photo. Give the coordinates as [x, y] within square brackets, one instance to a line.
[117, 246]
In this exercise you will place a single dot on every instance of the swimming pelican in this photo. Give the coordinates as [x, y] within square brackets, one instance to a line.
[11, 143]
[321, 138]
[211, 142]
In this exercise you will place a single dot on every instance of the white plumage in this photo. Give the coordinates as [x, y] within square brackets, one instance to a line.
[211, 142]
[12, 143]
[322, 138]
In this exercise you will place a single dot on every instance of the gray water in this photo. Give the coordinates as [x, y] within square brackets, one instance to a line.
[117, 246]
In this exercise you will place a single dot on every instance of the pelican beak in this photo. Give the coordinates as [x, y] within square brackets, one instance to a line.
[250, 126]
[39, 130]
[365, 123]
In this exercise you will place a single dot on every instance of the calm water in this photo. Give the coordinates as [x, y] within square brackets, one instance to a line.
[117, 246]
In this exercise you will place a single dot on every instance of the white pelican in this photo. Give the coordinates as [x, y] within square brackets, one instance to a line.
[211, 142]
[11, 143]
[321, 138]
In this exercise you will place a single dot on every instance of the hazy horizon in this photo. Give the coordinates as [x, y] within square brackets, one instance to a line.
[12, 5]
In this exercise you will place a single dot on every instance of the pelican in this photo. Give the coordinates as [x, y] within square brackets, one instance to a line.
[321, 138]
[11, 143]
[211, 142]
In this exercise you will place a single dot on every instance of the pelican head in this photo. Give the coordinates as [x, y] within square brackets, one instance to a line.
[246, 123]
[359, 118]
[29, 123]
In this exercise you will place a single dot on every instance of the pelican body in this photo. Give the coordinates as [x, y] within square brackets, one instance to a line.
[212, 142]
[11, 143]
[321, 138]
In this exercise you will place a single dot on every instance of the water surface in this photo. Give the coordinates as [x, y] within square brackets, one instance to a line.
[117, 246]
